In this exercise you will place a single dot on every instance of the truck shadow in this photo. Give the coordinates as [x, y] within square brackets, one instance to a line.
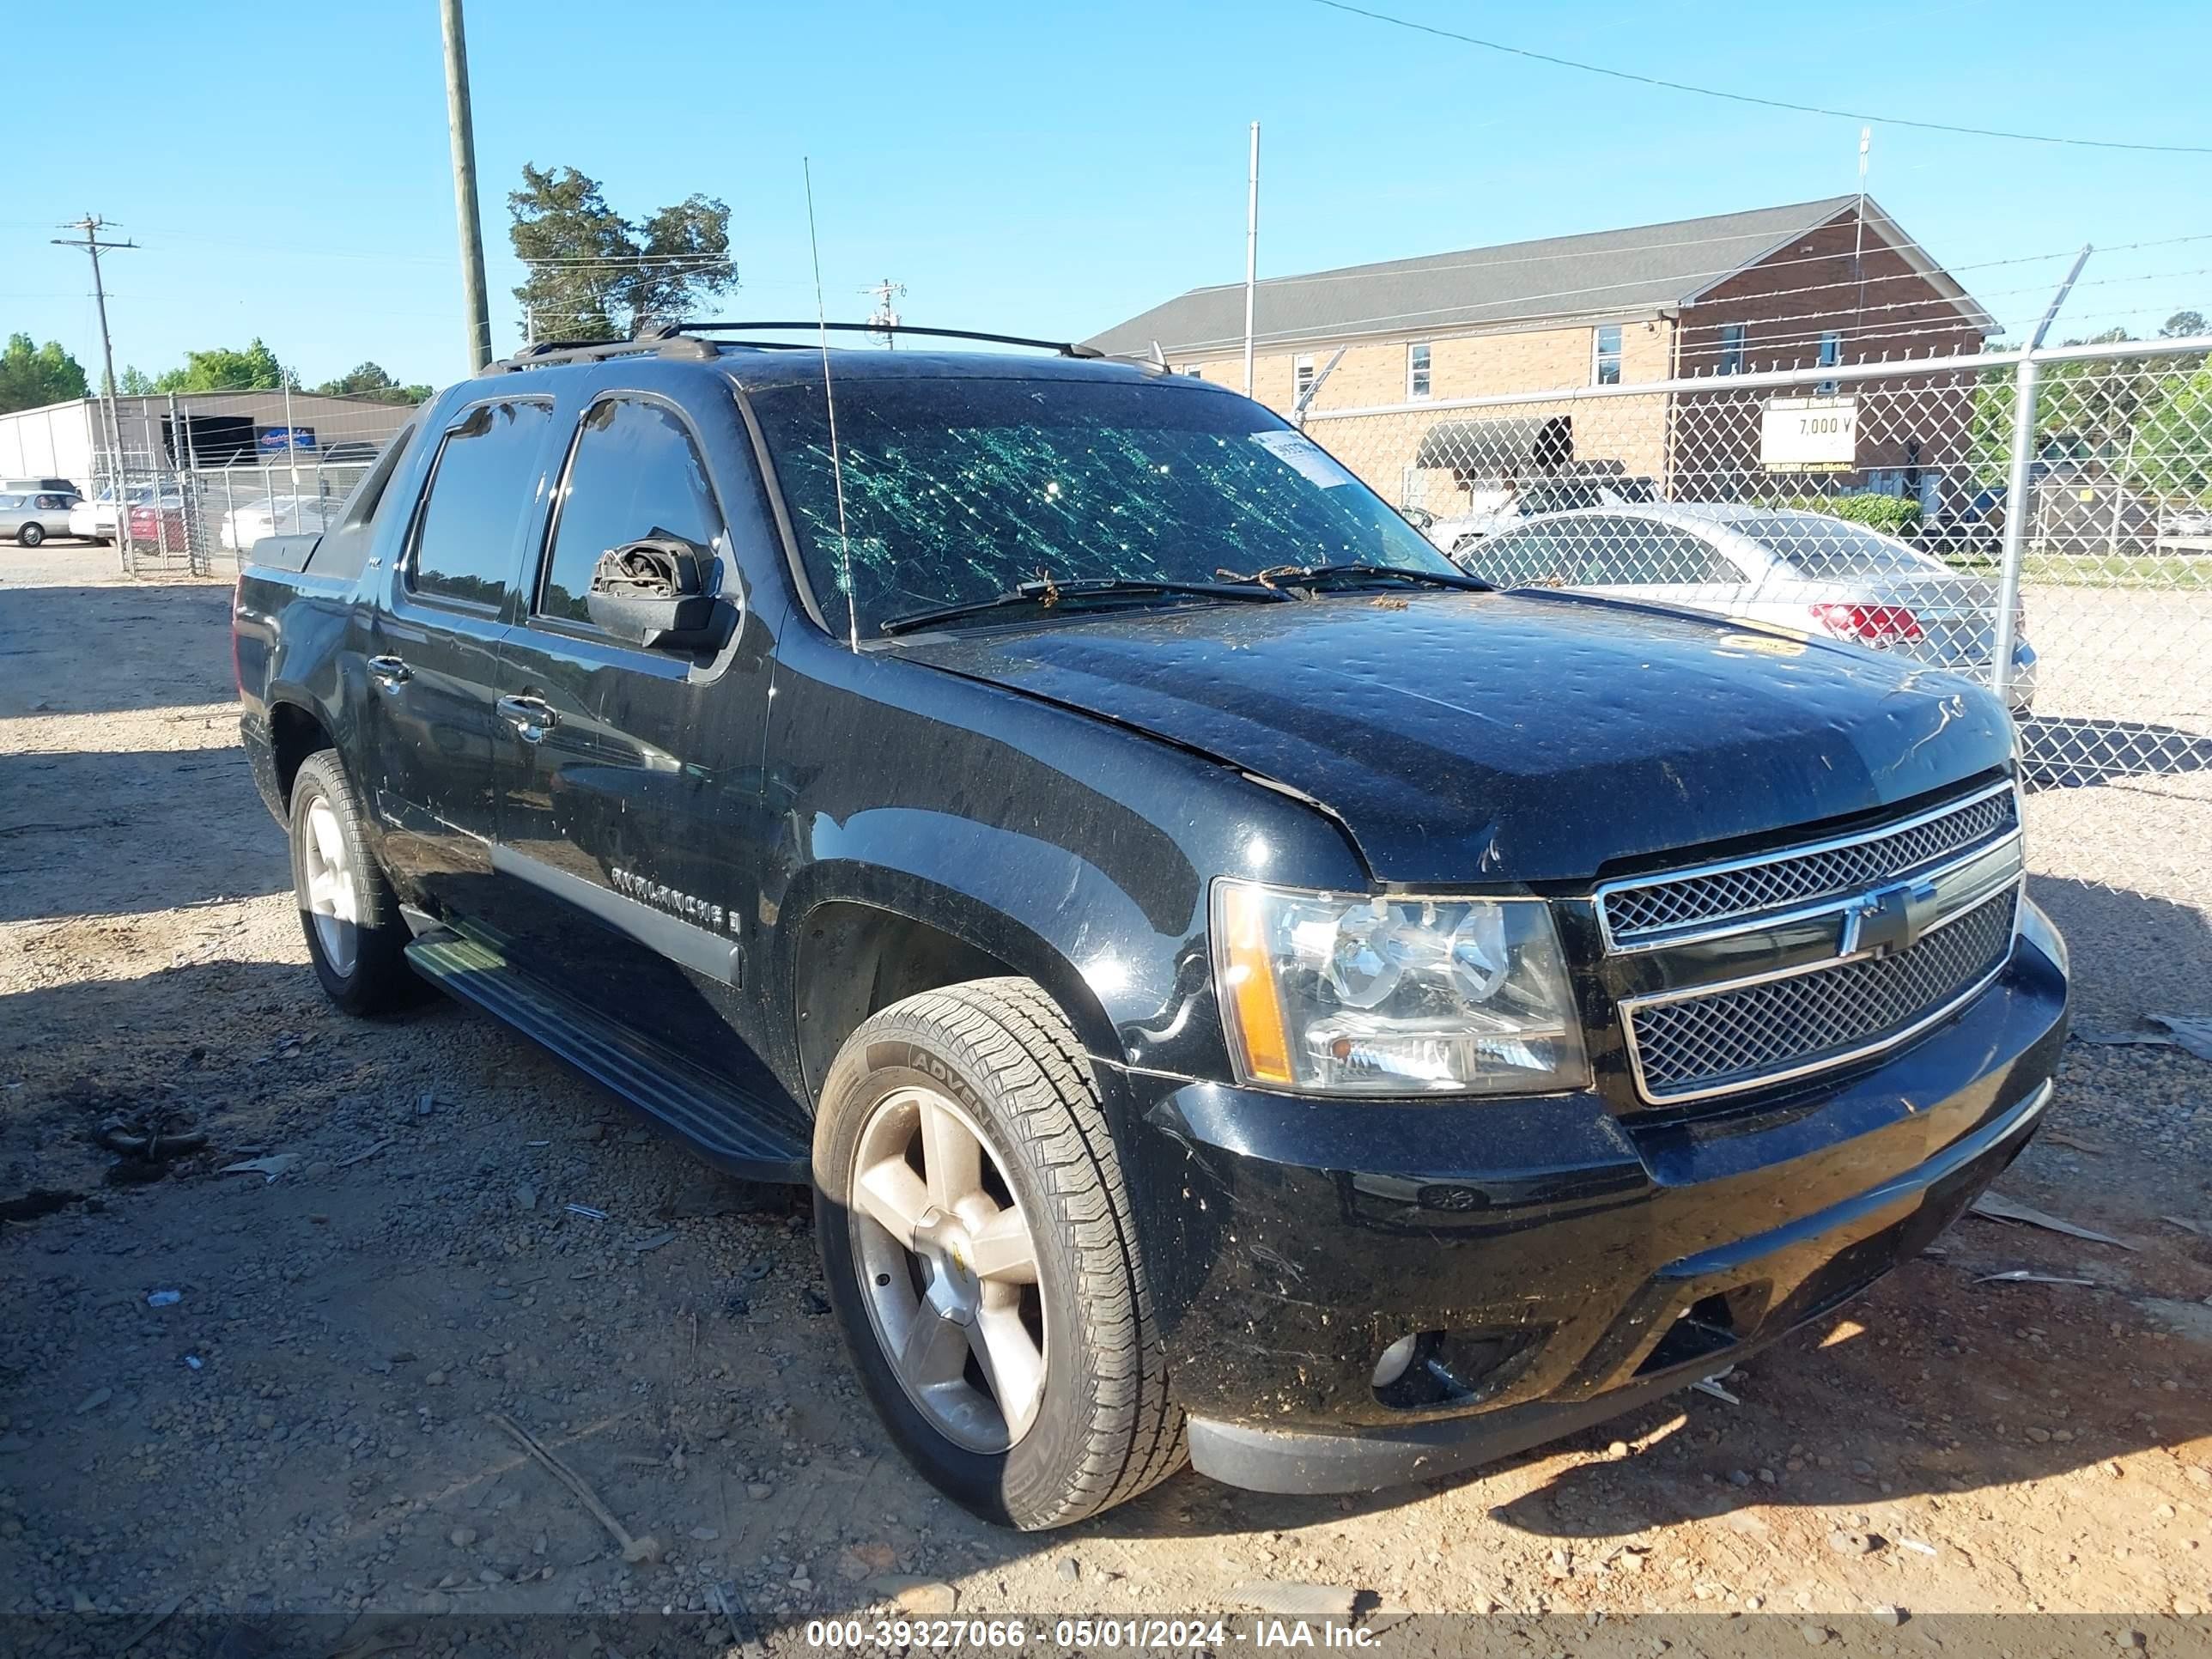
[133, 629]
[115, 832]
[2064, 753]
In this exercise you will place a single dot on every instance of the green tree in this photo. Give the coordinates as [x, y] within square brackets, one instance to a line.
[2182, 324]
[136, 382]
[223, 369]
[369, 380]
[597, 276]
[2173, 450]
[31, 375]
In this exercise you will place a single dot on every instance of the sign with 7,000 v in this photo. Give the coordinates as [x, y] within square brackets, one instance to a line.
[1809, 435]
[275, 440]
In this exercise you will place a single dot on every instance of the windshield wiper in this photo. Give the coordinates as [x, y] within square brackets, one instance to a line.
[1312, 577]
[1046, 593]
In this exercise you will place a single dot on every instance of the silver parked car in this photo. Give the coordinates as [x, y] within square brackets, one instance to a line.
[1803, 570]
[29, 517]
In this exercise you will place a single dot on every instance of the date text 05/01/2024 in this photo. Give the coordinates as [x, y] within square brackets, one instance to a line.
[1141, 1635]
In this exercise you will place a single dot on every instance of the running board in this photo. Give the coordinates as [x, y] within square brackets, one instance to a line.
[751, 1135]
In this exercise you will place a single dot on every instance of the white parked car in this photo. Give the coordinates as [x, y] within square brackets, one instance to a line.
[274, 515]
[1803, 571]
[1491, 511]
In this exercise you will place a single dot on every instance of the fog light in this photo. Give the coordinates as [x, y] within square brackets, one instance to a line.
[1396, 1360]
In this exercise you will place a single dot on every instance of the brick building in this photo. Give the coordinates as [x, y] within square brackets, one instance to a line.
[1784, 287]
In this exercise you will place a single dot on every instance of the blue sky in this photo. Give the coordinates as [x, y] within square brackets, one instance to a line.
[1046, 168]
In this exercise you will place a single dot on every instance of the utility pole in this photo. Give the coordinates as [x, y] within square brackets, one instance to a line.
[91, 224]
[473, 300]
[885, 317]
[1251, 251]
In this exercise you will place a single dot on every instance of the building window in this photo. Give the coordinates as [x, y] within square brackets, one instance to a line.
[1831, 353]
[1195, 371]
[1301, 374]
[1605, 356]
[1731, 347]
[1417, 369]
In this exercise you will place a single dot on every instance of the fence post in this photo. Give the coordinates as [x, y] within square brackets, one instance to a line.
[2015, 524]
[2016, 483]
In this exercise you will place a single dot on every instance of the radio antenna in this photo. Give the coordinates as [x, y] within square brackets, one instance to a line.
[829, 398]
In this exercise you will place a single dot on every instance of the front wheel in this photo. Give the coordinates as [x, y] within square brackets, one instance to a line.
[976, 1235]
[355, 935]
[32, 534]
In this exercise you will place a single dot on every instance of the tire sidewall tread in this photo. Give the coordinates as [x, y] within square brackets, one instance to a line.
[380, 979]
[1006, 1053]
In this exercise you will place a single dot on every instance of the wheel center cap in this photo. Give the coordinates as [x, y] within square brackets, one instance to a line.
[955, 1290]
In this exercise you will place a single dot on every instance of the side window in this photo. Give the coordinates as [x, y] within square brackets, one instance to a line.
[1630, 552]
[1519, 558]
[635, 473]
[480, 495]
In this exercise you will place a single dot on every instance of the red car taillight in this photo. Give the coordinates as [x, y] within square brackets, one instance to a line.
[1877, 625]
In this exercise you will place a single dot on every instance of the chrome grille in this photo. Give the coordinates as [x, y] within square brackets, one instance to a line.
[1666, 902]
[1709, 1043]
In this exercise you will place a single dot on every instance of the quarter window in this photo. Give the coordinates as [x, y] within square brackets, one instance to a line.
[635, 473]
[480, 493]
[1605, 365]
[1417, 369]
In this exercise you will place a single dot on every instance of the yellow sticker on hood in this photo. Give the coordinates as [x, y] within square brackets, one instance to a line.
[1765, 644]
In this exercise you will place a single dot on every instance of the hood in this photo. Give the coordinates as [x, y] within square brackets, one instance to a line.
[1511, 737]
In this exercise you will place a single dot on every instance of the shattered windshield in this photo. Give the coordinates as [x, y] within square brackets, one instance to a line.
[956, 490]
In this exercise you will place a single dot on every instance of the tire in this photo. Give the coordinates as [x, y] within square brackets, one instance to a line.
[359, 956]
[30, 534]
[997, 1058]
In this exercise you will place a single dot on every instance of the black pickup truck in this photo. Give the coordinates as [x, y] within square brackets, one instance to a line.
[1237, 988]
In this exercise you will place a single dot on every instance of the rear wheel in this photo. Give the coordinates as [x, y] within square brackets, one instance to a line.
[31, 533]
[977, 1239]
[356, 936]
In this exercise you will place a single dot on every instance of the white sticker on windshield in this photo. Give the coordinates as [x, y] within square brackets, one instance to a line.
[1295, 449]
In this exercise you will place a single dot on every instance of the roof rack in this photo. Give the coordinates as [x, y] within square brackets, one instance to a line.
[681, 340]
[1066, 348]
[667, 340]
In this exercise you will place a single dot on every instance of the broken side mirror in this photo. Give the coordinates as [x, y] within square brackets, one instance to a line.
[652, 593]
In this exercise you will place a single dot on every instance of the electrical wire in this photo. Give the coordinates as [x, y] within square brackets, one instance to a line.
[1559, 61]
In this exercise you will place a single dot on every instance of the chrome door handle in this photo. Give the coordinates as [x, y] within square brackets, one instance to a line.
[531, 717]
[389, 672]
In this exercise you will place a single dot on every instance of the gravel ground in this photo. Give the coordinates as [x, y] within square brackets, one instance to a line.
[304, 1425]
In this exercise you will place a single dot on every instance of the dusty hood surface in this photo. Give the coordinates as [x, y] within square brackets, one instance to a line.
[1486, 738]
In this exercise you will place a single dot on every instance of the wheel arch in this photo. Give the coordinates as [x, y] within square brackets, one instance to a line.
[877, 937]
[295, 731]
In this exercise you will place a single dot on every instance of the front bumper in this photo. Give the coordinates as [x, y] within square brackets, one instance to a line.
[1555, 1263]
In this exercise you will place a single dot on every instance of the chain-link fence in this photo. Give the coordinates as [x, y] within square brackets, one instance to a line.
[198, 489]
[2039, 522]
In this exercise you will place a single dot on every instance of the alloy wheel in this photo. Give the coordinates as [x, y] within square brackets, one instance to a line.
[333, 898]
[948, 1270]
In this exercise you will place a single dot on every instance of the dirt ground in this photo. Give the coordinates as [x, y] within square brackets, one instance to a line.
[303, 1423]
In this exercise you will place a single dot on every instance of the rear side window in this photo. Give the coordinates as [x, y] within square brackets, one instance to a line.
[635, 473]
[1825, 549]
[481, 493]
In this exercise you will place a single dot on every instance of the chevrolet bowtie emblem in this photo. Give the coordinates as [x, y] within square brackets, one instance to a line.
[1887, 920]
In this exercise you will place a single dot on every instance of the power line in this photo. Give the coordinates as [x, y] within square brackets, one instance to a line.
[1748, 98]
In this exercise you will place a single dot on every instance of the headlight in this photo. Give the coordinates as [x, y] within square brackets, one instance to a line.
[1394, 996]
